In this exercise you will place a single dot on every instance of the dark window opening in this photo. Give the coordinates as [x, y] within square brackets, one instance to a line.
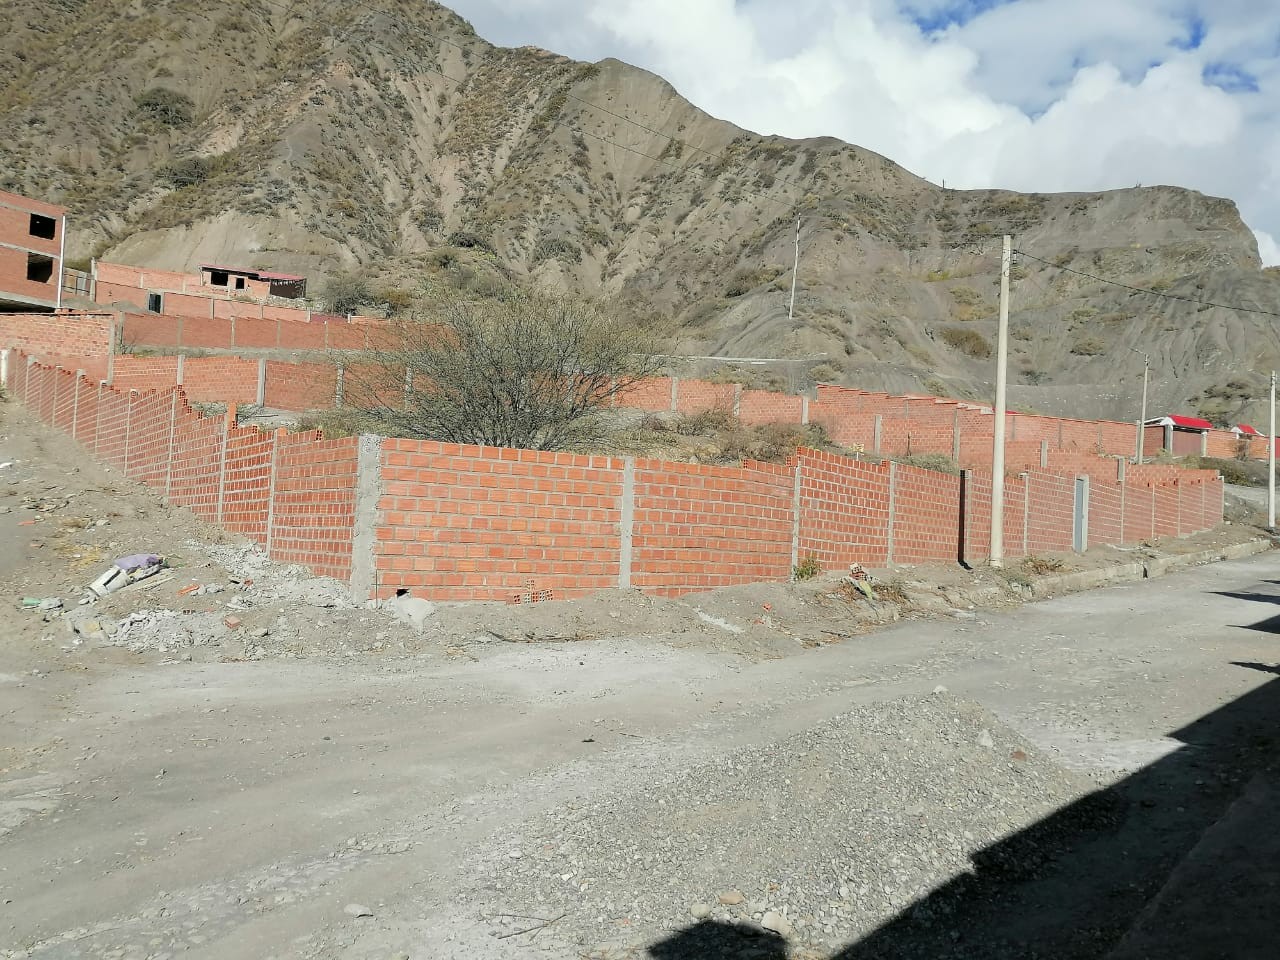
[155, 302]
[39, 269]
[239, 283]
[43, 227]
[218, 278]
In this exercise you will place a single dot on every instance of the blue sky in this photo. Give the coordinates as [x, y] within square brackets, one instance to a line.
[1024, 94]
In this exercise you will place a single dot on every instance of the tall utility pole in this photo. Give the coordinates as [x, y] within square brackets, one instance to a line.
[1142, 422]
[795, 272]
[1271, 459]
[997, 453]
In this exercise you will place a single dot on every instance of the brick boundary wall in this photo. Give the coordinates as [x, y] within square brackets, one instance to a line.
[871, 422]
[474, 523]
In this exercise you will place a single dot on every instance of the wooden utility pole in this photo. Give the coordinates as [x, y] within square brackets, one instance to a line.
[795, 272]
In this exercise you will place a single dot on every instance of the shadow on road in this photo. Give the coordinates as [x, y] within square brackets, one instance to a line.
[711, 940]
[1179, 860]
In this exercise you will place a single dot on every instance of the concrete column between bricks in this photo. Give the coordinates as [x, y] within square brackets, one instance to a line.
[168, 450]
[675, 394]
[53, 408]
[1044, 454]
[128, 430]
[1204, 444]
[271, 488]
[795, 518]
[233, 330]
[955, 436]
[804, 411]
[261, 396]
[737, 400]
[338, 386]
[1059, 434]
[4, 368]
[182, 369]
[1026, 514]
[890, 539]
[97, 417]
[1013, 426]
[26, 382]
[626, 523]
[75, 403]
[876, 430]
[1080, 537]
[365, 532]
[227, 421]
[1124, 486]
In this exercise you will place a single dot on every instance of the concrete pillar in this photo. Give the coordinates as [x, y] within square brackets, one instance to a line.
[271, 488]
[182, 367]
[876, 431]
[1204, 443]
[228, 421]
[1080, 518]
[365, 534]
[338, 385]
[75, 405]
[261, 396]
[128, 429]
[1026, 514]
[1059, 434]
[4, 367]
[955, 435]
[233, 329]
[1044, 454]
[804, 410]
[626, 523]
[737, 400]
[169, 451]
[26, 383]
[675, 394]
[97, 417]
[795, 517]
[893, 511]
[1168, 437]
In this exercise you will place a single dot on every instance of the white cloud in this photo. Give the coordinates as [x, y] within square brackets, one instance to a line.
[1025, 94]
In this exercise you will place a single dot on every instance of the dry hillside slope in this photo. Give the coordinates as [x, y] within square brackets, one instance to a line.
[317, 136]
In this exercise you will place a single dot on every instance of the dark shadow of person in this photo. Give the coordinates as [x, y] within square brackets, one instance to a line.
[713, 940]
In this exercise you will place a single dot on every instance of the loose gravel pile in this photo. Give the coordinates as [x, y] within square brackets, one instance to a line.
[820, 838]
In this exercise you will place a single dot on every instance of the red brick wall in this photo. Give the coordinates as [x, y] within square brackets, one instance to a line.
[460, 522]
[296, 386]
[467, 523]
[761, 406]
[695, 396]
[314, 512]
[698, 527]
[77, 341]
[220, 379]
[844, 510]
[927, 511]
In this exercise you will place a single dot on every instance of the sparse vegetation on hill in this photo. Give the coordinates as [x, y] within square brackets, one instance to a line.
[319, 136]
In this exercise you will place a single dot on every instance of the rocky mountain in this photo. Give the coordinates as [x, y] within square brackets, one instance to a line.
[385, 137]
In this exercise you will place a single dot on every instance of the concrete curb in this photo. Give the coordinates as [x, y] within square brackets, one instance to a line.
[1143, 570]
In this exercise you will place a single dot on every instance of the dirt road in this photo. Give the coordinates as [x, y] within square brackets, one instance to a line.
[361, 805]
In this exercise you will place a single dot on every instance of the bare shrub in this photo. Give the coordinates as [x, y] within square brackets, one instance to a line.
[531, 371]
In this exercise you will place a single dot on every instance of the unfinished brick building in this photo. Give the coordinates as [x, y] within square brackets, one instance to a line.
[32, 246]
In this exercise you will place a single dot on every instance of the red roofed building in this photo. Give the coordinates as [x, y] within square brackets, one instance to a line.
[1181, 436]
[1244, 431]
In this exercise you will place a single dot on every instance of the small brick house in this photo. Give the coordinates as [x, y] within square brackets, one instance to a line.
[32, 247]
[257, 284]
[1181, 436]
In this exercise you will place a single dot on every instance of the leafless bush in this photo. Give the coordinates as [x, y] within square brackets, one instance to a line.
[532, 371]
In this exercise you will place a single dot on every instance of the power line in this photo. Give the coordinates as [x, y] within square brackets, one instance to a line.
[1154, 293]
